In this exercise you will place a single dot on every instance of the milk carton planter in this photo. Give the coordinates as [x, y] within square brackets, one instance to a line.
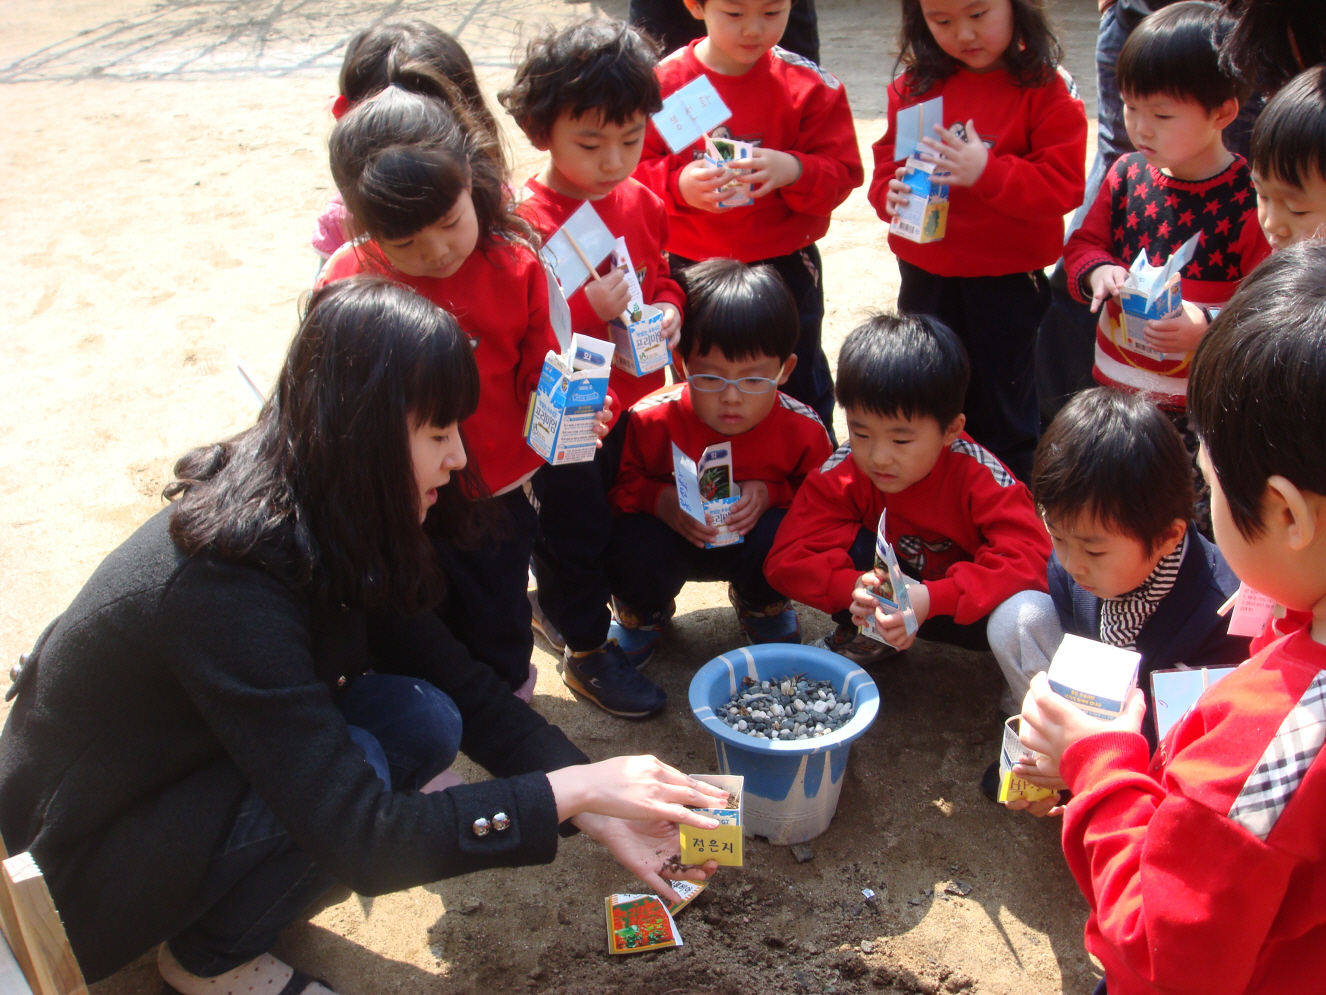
[559, 424]
[640, 346]
[925, 215]
[791, 787]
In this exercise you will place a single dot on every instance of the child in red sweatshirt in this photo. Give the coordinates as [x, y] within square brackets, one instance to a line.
[1203, 865]
[963, 527]
[805, 164]
[1013, 151]
[583, 94]
[737, 348]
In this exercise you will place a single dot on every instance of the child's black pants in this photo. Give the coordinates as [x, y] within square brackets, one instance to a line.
[649, 563]
[996, 318]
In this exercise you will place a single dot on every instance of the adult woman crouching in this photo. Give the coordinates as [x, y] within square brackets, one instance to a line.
[242, 704]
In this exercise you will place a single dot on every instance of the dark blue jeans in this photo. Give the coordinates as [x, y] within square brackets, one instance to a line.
[259, 881]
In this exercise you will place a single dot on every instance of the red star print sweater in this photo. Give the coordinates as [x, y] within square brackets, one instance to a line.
[1145, 209]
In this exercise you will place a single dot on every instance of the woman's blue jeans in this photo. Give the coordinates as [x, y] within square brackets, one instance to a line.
[259, 881]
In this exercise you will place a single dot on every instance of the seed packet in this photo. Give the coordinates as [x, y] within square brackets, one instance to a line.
[639, 923]
[723, 843]
[1174, 692]
[689, 892]
[892, 589]
[1012, 787]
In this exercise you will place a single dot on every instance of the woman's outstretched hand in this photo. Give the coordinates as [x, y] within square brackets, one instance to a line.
[645, 848]
[633, 788]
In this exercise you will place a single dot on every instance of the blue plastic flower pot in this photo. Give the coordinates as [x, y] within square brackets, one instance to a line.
[792, 786]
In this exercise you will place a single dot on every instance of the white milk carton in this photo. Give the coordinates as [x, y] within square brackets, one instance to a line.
[1012, 787]
[572, 389]
[638, 332]
[925, 215]
[892, 589]
[719, 152]
[1151, 293]
[705, 487]
[1095, 677]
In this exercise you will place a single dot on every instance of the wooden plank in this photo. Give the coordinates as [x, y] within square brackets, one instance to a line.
[9, 926]
[55, 971]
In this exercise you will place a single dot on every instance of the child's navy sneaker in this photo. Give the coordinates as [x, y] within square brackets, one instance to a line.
[606, 678]
[847, 640]
[776, 622]
[638, 633]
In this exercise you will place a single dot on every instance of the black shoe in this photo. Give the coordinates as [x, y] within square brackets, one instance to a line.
[605, 676]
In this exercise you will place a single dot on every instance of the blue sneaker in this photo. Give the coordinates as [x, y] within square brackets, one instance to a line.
[776, 622]
[638, 633]
[606, 678]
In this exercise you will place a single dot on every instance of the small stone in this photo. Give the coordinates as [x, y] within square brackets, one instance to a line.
[958, 888]
[800, 852]
[867, 947]
[741, 726]
[799, 705]
[470, 906]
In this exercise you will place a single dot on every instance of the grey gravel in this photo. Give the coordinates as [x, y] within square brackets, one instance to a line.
[802, 853]
[791, 708]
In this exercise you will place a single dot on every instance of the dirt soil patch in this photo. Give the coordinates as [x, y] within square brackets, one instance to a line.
[164, 163]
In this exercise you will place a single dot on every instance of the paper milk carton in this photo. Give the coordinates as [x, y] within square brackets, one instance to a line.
[721, 151]
[706, 488]
[925, 215]
[1150, 293]
[723, 843]
[572, 389]
[638, 333]
[1012, 787]
[1094, 676]
[892, 591]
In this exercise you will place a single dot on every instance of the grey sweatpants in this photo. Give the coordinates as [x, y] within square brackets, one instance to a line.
[1024, 633]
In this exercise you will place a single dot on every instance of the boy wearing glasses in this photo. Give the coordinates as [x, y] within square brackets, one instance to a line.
[964, 528]
[737, 347]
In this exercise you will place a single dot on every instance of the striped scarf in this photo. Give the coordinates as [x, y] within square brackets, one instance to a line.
[1122, 618]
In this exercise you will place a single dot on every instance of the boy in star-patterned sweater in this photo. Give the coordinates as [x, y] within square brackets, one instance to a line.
[1181, 182]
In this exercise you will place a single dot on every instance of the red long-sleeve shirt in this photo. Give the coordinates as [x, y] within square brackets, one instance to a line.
[1011, 220]
[780, 450]
[1203, 866]
[783, 102]
[1139, 207]
[968, 530]
[633, 212]
[499, 297]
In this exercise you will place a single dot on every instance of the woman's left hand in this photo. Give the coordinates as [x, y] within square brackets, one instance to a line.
[645, 849]
[963, 156]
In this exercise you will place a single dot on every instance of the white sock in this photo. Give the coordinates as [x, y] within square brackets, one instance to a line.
[264, 975]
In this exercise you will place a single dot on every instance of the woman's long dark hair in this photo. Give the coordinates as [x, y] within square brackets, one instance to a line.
[377, 56]
[322, 489]
[1031, 58]
[401, 159]
[1273, 41]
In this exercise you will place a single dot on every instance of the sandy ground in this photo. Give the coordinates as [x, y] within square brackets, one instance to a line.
[163, 165]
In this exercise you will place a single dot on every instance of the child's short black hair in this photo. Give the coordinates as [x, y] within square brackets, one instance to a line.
[1176, 52]
[743, 311]
[595, 64]
[1257, 388]
[904, 364]
[1116, 458]
[1289, 139]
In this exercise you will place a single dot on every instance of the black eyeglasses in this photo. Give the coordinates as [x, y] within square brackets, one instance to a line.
[709, 383]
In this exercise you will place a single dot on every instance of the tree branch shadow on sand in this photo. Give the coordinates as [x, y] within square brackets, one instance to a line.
[231, 39]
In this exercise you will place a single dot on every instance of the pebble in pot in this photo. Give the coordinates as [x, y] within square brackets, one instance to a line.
[788, 709]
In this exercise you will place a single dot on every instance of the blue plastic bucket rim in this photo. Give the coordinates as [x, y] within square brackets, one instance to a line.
[849, 680]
